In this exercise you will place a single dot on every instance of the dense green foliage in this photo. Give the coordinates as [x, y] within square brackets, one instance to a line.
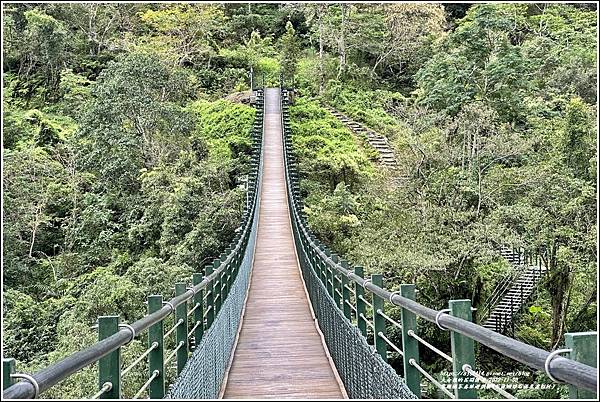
[123, 171]
[124, 165]
[496, 144]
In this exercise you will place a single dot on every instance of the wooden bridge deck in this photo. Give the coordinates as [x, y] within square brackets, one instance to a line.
[279, 353]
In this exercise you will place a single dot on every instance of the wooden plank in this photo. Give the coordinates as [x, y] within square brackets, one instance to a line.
[279, 353]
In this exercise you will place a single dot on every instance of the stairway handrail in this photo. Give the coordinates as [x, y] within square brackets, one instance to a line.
[499, 291]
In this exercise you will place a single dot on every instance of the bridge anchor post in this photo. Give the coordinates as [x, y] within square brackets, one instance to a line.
[378, 320]
[9, 366]
[109, 366]
[463, 351]
[410, 345]
[584, 350]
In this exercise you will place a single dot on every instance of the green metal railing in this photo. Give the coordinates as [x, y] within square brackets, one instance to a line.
[193, 311]
[348, 289]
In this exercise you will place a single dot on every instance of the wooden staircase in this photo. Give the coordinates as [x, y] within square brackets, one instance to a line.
[379, 142]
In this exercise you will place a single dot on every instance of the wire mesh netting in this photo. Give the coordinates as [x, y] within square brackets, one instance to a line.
[202, 376]
[363, 371]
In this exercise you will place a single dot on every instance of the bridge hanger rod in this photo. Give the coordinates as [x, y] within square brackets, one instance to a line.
[484, 380]
[435, 382]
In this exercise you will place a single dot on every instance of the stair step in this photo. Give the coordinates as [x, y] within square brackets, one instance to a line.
[518, 288]
[515, 297]
[507, 303]
[506, 308]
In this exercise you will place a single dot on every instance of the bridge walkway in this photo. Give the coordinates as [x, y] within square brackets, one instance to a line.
[280, 352]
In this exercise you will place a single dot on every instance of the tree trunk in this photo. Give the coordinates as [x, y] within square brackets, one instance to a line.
[557, 286]
[342, 42]
[479, 187]
[322, 9]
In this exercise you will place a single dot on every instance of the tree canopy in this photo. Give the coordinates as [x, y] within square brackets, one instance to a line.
[125, 162]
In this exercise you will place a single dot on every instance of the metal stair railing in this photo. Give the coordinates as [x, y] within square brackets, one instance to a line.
[338, 293]
[200, 306]
[523, 273]
[504, 285]
[503, 314]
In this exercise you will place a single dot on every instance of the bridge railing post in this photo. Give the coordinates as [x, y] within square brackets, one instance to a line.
[463, 350]
[323, 268]
[361, 307]
[314, 258]
[584, 349]
[9, 366]
[109, 366]
[228, 273]
[314, 252]
[223, 280]
[336, 287]
[329, 272]
[156, 358]
[236, 261]
[410, 346]
[181, 334]
[317, 264]
[307, 259]
[199, 312]
[210, 298]
[346, 293]
[378, 319]
[217, 287]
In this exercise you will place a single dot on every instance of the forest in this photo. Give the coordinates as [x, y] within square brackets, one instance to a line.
[126, 145]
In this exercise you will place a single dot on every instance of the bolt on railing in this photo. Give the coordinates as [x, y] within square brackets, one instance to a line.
[337, 276]
[195, 306]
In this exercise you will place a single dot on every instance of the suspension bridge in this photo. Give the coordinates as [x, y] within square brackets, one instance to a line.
[279, 315]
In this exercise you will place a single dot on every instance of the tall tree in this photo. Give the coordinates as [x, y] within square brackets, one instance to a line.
[317, 12]
[290, 51]
[136, 118]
